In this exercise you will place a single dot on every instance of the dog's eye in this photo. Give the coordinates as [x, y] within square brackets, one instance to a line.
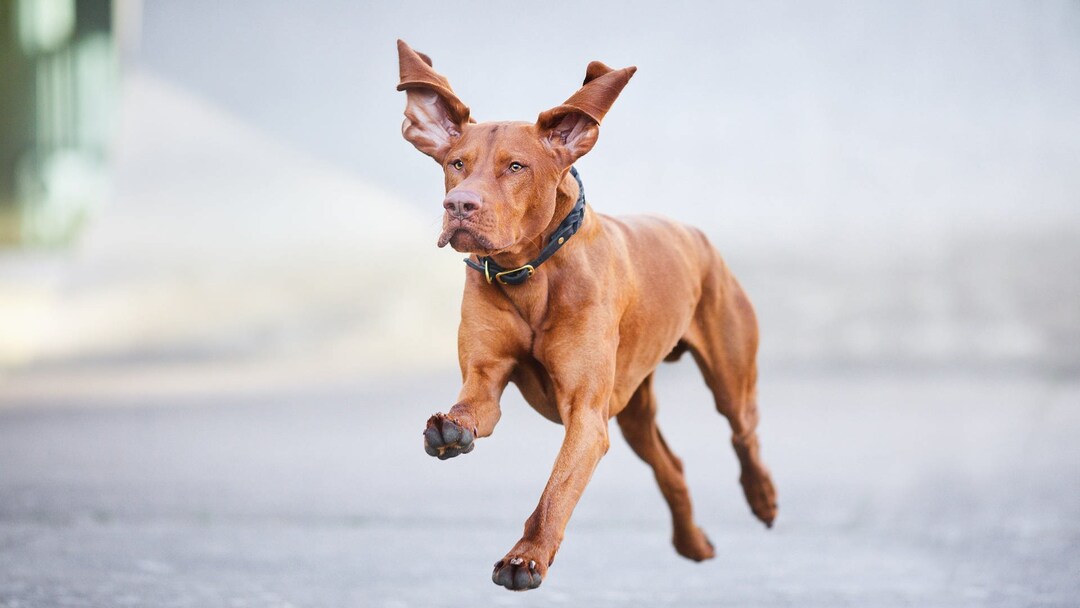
[457, 164]
[516, 166]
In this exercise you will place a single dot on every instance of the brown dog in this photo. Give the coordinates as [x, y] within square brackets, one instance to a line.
[581, 335]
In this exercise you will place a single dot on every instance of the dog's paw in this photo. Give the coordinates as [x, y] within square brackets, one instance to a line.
[517, 573]
[761, 495]
[445, 438]
[694, 545]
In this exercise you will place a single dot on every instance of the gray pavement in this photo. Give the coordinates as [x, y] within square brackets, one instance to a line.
[895, 490]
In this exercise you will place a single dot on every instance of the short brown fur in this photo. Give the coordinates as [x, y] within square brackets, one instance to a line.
[583, 336]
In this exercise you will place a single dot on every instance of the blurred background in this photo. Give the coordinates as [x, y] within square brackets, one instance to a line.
[190, 187]
[210, 202]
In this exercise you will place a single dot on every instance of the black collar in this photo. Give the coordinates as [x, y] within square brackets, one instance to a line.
[517, 276]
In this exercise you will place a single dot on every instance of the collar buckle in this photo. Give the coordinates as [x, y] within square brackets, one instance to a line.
[499, 275]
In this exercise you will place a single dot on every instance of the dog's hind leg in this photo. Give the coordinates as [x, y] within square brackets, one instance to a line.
[638, 424]
[723, 339]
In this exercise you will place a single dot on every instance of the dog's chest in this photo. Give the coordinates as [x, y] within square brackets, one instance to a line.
[536, 386]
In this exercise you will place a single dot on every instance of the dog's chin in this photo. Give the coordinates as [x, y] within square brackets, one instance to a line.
[464, 240]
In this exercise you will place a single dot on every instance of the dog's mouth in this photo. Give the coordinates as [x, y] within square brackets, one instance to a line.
[465, 239]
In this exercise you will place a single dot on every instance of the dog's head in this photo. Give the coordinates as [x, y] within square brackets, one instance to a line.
[501, 177]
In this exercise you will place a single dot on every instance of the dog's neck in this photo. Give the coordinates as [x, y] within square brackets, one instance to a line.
[533, 298]
[566, 195]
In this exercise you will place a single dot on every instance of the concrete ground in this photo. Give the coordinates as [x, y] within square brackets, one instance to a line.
[895, 490]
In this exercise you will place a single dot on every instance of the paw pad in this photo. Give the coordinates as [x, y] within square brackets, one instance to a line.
[517, 575]
[444, 438]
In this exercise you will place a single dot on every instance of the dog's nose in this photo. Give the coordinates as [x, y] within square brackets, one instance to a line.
[462, 203]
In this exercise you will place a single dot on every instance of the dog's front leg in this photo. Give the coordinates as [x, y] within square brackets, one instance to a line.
[585, 416]
[490, 341]
[475, 413]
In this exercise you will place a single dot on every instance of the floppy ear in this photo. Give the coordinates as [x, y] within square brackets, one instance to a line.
[572, 128]
[434, 116]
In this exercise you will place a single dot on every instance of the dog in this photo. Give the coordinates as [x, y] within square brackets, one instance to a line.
[576, 308]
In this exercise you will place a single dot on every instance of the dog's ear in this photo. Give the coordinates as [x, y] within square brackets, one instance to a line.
[434, 115]
[572, 128]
